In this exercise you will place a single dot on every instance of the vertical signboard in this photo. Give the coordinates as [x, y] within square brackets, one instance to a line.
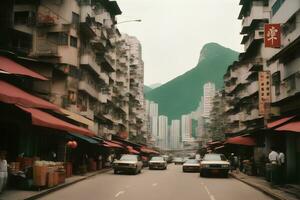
[264, 82]
[272, 36]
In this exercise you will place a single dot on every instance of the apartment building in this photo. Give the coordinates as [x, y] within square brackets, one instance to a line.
[163, 130]
[88, 62]
[151, 120]
[175, 135]
[208, 94]
[284, 67]
[186, 128]
[242, 77]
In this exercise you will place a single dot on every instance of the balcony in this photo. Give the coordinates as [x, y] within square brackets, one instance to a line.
[104, 77]
[108, 63]
[84, 86]
[256, 35]
[250, 90]
[46, 17]
[46, 48]
[88, 114]
[89, 59]
[102, 98]
[254, 114]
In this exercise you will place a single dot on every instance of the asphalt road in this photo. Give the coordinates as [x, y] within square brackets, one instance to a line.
[170, 184]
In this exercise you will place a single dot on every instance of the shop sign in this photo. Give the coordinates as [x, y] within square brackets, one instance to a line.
[272, 37]
[264, 82]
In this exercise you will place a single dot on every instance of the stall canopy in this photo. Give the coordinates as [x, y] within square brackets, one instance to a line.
[132, 150]
[11, 67]
[279, 122]
[109, 144]
[13, 95]
[40, 118]
[292, 126]
[239, 140]
[77, 117]
[84, 138]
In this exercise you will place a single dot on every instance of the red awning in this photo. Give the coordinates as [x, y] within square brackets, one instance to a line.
[239, 140]
[147, 150]
[292, 126]
[40, 118]
[11, 67]
[279, 122]
[132, 150]
[110, 144]
[13, 95]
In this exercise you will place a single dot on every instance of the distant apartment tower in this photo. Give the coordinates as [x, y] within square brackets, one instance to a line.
[209, 90]
[152, 119]
[186, 127]
[175, 134]
[162, 141]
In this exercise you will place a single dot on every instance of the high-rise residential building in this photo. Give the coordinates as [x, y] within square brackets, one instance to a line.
[175, 134]
[152, 120]
[208, 94]
[186, 128]
[163, 129]
[136, 88]
[94, 72]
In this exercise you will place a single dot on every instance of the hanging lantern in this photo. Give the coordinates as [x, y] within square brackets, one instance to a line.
[74, 145]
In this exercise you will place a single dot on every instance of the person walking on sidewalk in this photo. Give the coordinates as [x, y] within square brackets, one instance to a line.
[273, 158]
[281, 163]
[3, 171]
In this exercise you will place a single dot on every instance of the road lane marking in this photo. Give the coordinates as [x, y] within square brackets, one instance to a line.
[205, 187]
[154, 184]
[119, 193]
[212, 197]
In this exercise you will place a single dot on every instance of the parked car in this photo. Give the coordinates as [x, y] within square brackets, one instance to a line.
[214, 164]
[157, 162]
[191, 165]
[128, 163]
[178, 161]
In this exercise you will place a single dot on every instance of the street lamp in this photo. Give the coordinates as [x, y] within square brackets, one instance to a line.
[132, 20]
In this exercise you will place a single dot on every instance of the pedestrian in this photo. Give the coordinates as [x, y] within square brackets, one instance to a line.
[3, 170]
[273, 158]
[281, 163]
[231, 160]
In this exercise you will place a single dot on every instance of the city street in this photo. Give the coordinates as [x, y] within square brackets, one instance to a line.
[158, 184]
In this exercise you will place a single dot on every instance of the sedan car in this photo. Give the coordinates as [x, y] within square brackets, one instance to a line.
[191, 165]
[128, 163]
[157, 162]
[178, 161]
[214, 164]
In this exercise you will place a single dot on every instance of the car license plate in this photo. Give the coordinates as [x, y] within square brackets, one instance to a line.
[215, 171]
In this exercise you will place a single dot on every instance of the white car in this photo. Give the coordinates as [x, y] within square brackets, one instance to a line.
[128, 163]
[158, 162]
[191, 165]
[214, 164]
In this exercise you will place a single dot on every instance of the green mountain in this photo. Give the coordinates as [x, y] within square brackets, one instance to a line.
[182, 94]
[147, 89]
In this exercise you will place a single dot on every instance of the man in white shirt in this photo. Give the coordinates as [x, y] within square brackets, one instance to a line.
[3, 170]
[273, 156]
[281, 162]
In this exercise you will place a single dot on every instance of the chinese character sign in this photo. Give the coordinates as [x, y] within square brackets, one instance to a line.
[272, 35]
[264, 92]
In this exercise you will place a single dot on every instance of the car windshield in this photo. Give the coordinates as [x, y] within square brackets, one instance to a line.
[214, 157]
[191, 162]
[157, 159]
[129, 158]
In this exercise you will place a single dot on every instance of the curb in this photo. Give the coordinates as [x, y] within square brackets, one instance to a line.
[64, 185]
[265, 191]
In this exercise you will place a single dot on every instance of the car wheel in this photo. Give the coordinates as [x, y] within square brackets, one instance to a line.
[202, 173]
[225, 175]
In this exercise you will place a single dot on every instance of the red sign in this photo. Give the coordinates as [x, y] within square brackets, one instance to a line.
[272, 35]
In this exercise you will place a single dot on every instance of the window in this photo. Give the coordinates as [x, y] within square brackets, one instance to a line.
[75, 18]
[73, 41]
[291, 82]
[289, 26]
[276, 6]
[276, 82]
[60, 38]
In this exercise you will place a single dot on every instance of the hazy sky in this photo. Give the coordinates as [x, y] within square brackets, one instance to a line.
[172, 32]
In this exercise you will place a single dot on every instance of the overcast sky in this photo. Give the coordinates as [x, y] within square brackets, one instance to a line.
[172, 32]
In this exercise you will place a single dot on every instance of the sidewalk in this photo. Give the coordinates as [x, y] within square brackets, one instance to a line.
[30, 195]
[259, 183]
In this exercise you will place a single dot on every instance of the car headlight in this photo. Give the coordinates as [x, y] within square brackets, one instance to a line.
[205, 166]
[132, 165]
[225, 166]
